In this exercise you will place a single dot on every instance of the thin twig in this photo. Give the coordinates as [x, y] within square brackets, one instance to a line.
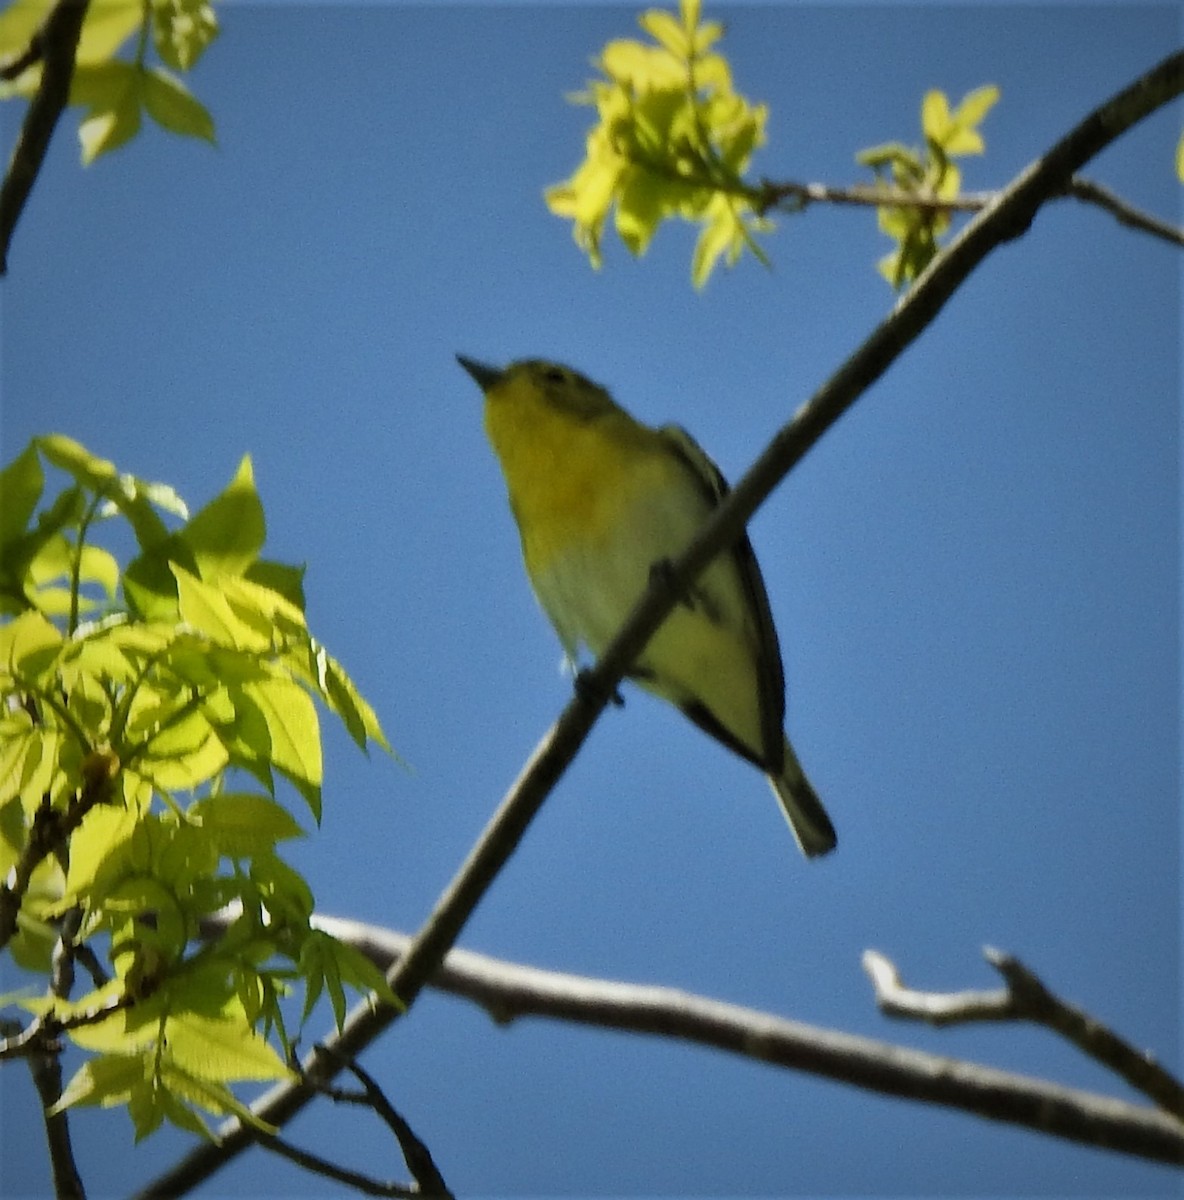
[59, 44]
[415, 1154]
[1026, 998]
[32, 54]
[42, 1033]
[1035, 1002]
[798, 196]
[1123, 211]
[1007, 218]
[317, 1165]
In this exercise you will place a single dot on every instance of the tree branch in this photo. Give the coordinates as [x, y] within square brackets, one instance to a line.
[50, 832]
[317, 1165]
[799, 196]
[1026, 998]
[509, 991]
[1124, 212]
[416, 1155]
[1006, 218]
[56, 43]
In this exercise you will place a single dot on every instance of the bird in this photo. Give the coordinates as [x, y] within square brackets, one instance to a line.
[601, 501]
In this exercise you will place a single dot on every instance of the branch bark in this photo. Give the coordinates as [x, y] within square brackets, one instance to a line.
[57, 44]
[509, 991]
[1007, 217]
[1027, 998]
[799, 196]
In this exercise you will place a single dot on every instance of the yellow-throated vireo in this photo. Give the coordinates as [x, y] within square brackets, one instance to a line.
[600, 499]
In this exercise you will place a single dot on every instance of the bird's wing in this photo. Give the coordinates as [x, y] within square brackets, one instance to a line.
[714, 487]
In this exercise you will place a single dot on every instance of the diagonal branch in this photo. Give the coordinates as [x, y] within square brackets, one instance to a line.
[56, 43]
[1026, 998]
[1006, 218]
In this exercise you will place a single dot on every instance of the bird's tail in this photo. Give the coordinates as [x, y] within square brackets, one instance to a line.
[803, 810]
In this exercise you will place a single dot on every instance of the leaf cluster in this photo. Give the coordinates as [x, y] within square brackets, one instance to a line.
[926, 176]
[116, 92]
[146, 713]
[673, 139]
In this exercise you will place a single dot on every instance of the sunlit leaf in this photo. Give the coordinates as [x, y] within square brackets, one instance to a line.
[227, 534]
[113, 90]
[242, 824]
[105, 1081]
[222, 1050]
[182, 31]
[21, 483]
[174, 107]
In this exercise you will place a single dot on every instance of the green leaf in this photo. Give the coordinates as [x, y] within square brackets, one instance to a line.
[227, 534]
[221, 1050]
[94, 473]
[204, 606]
[347, 702]
[287, 581]
[294, 735]
[174, 107]
[18, 23]
[28, 645]
[1180, 158]
[182, 31]
[666, 31]
[107, 26]
[975, 105]
[107, 1080]
[185, 754]
[242, 825]
[111, 91]
[21, 484]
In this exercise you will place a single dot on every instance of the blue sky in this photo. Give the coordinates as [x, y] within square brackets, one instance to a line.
[975, 575]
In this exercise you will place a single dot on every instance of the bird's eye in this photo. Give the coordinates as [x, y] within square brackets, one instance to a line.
[554, 375]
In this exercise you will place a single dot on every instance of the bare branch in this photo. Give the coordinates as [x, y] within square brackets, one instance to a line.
[1123, 211]
[795, 197]
[509, 991]
[58, 40]
[1026, 998]
[322, 1166]
[1006, 218]
[415, 1154]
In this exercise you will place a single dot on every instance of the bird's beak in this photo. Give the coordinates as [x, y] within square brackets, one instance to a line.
[486, 377]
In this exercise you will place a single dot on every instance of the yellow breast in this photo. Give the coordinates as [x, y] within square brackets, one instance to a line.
[572, 478]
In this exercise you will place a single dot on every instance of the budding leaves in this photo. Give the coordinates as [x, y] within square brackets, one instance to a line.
[926, 176]
[673, 140]
[115, 92]
[153, 717]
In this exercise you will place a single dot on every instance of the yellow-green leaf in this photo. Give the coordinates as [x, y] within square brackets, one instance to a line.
[107, 1080]
[294, 734]
[221, 1050]
[1180, 158]
[21, 483]
[174, 107]
[108, 24]
[205, 607]
[227, 534]
[19, 22]
[28, 645]
[935, 115]
[115, 118]
[182, 30]
[241, 824]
